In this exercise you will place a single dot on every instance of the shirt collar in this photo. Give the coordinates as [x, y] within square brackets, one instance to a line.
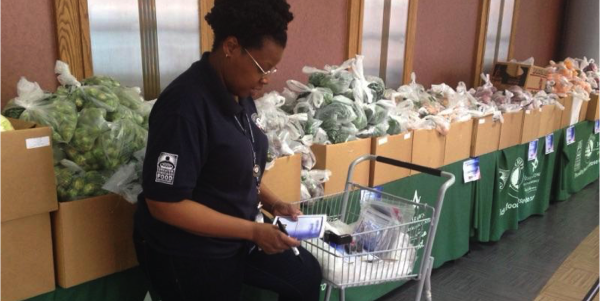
[217, 89]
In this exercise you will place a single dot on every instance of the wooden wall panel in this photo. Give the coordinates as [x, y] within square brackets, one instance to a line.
[538, 30]
[355, 25]
[69, 35]
[446, 41]
[28, 45]
[206, 34]
[318, 35]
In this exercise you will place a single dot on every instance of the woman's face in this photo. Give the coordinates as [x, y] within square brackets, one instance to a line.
[242, 73]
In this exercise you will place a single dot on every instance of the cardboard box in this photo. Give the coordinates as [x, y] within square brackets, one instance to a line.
[532, 78]
[283, 178]
[429, 147]
[531, 125]
[583, 110]
[92, 239]
[486, 136]
[397, 147]
[28, 183]
[458, 142]
[27, 265]
[337, 159]
[565, 119]
[593, 111]
[547, 120]
[510, 133]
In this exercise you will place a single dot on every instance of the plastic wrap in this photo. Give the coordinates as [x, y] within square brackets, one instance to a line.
[315, 97]
[313, 180]
[360, 86]
[336, 78]
[32, 104]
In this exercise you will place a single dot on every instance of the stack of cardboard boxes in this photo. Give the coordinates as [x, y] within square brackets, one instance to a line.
[28, 197]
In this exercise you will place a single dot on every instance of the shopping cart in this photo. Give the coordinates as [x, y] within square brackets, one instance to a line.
[376, 252]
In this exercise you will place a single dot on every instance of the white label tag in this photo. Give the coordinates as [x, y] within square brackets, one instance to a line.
[532, 153]
[527, 112]
[165, 168]
[37, 142]
[570, 136]
[481, 121]
[597, 127]
[471, 170]
[549, 144]
[383, 140]
[407, 136]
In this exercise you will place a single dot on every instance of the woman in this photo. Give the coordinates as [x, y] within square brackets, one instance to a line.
[195, 230]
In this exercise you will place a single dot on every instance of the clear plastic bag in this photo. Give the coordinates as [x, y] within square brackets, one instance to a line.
[32, 104]
[129, 97]
[115, 147]
[312, 181]
[315, 97]
[336, 78]
[72, 182]
[126, 181]
[360, 86]
[90, 125]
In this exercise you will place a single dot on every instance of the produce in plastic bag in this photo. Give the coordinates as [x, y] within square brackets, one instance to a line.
[126, 181]
[56, 113]
[129, 97]
[311, 182]
[336, 78]
[90, 125]
[315, 97]
[100, 80]
[123, 112]
[72, 182]
[5, 124]
[115, 147]
[99, 97]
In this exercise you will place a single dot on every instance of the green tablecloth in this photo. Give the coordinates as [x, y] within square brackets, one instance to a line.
[483, 193]
[577, 163]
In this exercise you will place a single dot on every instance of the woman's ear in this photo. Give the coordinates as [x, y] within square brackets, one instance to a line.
[230, 46]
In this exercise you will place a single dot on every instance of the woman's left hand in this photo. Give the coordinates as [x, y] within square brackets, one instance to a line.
[286, 209]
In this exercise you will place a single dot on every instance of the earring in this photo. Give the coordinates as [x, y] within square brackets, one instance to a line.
[226, 55]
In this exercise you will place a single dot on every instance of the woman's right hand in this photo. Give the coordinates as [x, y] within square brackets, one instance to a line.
[271, 240]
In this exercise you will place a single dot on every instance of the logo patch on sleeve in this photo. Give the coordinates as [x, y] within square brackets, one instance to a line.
[165, 168]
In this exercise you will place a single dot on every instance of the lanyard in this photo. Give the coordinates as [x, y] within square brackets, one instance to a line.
[255, 167]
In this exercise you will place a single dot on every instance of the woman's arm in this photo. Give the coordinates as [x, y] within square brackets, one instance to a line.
[198, 219]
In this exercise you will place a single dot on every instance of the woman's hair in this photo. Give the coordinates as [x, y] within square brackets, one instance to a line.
[250, 21]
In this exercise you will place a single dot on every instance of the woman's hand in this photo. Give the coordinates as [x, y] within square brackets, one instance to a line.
[285, 209]
[271, 240]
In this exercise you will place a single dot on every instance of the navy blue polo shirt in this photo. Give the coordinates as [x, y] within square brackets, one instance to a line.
[198, 151]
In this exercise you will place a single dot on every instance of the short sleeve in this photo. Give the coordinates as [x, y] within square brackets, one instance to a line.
[173, 158]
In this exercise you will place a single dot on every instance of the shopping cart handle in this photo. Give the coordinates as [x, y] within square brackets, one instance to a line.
[429, 170]
[329, 236]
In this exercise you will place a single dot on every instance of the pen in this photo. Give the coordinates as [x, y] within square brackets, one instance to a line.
[282, 228]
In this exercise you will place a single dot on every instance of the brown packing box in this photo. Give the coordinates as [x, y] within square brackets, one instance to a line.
[283, 178]
[429, 147]
[510, 133]
[532, 78]
[531, 125]
[397, 147]
[486, 136]
[92, 239]
[547, 120]
[583, 110]
[458, 142]
[28, 184]
[27, 265]
[593, 111]
[337, 159]
[565, 119]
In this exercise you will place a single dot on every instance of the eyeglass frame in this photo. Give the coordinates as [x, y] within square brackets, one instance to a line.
[264, 73]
